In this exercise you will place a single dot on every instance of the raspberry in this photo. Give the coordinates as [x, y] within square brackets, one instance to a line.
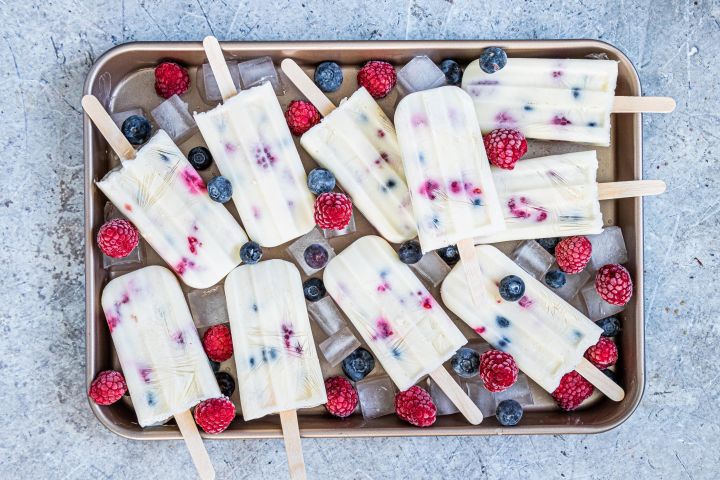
[573, 254]
[613, 284]
[572, 391]
[505, 147]
[498, 370]
[171, 79]
[333, 211]
[215, 415]
[416, 407]
[603, 354]
[301, 116]
[117, 238]
[377, 77]
[217, 343]
[342, 397]
[108, 387]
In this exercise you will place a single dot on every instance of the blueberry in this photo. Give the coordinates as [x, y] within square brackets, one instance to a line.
[465, 362]
[610, 326]
[512, 288]
[316, 256]
[200, 158]
[453, 72]
[492, 59]
[509, 413]
[450, 254]
[555, 279]
[251, 252]
[328, 76]
[358, 364]
[313, 289]
[410, 252]
[136, 129]
[214, 365]
[549, 244]
[320, 181]
[226, 383]
[611, 375]
[220, 189]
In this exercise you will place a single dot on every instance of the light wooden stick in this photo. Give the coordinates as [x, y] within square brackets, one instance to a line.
[216, 58]
[643, 105]
[293, 447]
[473, 272]
[634, 188]
[307, 87]
[601, 381]
[107, 127]
[456, 395]
[194, 443]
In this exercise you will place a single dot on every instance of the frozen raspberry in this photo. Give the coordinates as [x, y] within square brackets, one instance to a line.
[377, 77]
[572, 391]
[215, 415]
[333, 211]
[301, 116]
[342, 397]
[416, 407]
[217, 343]
[573, 254]
[498, 370]
[171, 79]
[117, 238]
[613, 284]
[603, 354]
[505, 147]
[108, 387]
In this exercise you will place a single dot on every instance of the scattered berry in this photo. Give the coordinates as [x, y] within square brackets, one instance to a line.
[220, 189]
[316, 256]
[610, 326]
[498, 370]
[342, 397]
[313, 289]
[215, 415]
[200, 158]
[492, 59]
[572, 391]
[450, 254]
[505, 147]
[416, 407]
[251, 252]
[465, 362]
[217, 343]
[226, 383]
[117, 238]
[549, 244]
[603, 354]
[512, 288]
[555, 279]
[613, 284]
[108, 387]
[301, 116]
[377, 77]
[171, 79]
[333, 211]
[573, 254]
[358, 364]
[410, 252]
[136, 129]
[453, 72]
[328, 76]
[509, 413]
[320, 181]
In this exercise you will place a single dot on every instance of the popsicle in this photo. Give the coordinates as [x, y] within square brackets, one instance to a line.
[357, 142]
[163, 361]
[166, 199]
[545, 335]
[278, 370]
[407, 330]
[252, 146]
[554, 99]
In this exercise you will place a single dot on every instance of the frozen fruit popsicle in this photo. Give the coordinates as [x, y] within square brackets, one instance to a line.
[409, 332]
[252, 145]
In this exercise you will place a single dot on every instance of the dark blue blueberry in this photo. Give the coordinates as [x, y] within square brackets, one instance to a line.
[251, 252]
[502, 321]
[254, 307]
[220, 189]
[450, 254]
[215, 366]
[549, 244]
[575, 92]
[528, 108]
[611, 375]
[358, 364]
[502, 344]
[610, 326]
[492, 59]
[226, 383]
[555, 279]
[453, 72]
[251, 361]
[136, 129]
[316, 256]
[320, 181]
[465, 362]
[313, 289]
[512, 288]
[578, 334]
[273, 353]
[151, 399]
[509, 413]
[200, 158]
[396, 352]
[592, 124]
[477, 202]
[328, 76]
[410, 252]
[391, 183]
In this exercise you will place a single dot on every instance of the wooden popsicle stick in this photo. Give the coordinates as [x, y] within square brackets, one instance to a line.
[456, 395]
[194, 443]
[634, 188]
[107, 127]
[307, 86]
[643, 105]
[601, 381]
[293, 447]
[216, 59]
[473, 272]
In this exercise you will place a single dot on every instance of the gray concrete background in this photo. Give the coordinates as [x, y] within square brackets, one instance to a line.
[46, 49]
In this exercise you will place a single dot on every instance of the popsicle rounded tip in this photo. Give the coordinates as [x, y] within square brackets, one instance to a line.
[210, 40]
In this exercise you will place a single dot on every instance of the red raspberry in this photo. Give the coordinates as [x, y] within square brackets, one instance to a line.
[614, 284]
[342, 397]
[377, 77]
[603, 354]
[333, 211]
[301, 116]
[217, 343]
[117, 238]
[498, 370]
[505, 147]
[171, 79]
[416, 407]
[215, 415]
[108, 387]
[573, 254]
[572, 391]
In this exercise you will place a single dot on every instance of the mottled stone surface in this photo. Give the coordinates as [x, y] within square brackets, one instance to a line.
[46, 49]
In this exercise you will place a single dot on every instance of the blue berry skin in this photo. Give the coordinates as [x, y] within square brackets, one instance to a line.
[313, 289]
[251, 252]
[328, 76]
[226, 383]
[450, 254]
[492, 59]
[611, 375]
[453, 72]
[466, 362]
[220, 189]
[316, 256]
[136, 129]
[548, 244]
[410, 252]
[512, 288]
[555, 279]
[200, 158]
[509, 413]
[320, 181]
[358, 364]
[214, 365]
[610, 326]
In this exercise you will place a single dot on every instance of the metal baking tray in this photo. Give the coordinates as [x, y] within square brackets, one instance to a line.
[123, 78]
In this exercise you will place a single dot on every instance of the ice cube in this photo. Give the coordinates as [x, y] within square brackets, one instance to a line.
[211, 91]
[480, 396]
[607, 247]
[174, 117]
[578, 303]
[444, 405]
[479, 345]
[573, 283]
[598, 308]
[377, 396]
[533, 258]
[311, 251]
[339, 233]
[120, 117]
[519, 391]
[208, 306]
[327, 315]
[338, 346]
[259, 70]
[431, 269]
[420, 73]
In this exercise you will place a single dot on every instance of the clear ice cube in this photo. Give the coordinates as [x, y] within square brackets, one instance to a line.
[120, 117]
[480, 396]
[377, 396]
[519, 391]
[312, 242]
[573, 283]
[578, 302]
[420, 73]
[208, 306]
[328, 233]
[533, 258]
[607, 247]
[431, 269]
[327, 315]
[211, 91]
[173, 116]
[338, 346]
[260, 70]
[444, 405]
[598, 308]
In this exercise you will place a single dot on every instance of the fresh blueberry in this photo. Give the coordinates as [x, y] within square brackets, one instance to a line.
[136, 129]
[220, 189]
[453, 72]
[251, 252]
[316, 256]
[549, 244]
[465, 362]
[328, 76]
[358, 364]
[320, 181]
[610, 326]
[200, 158]
[450, 254]
[314, 289]
[555, 279]
[226, 383]
[410, 252]
[512, 288]
[492, 59]
[509, 413]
